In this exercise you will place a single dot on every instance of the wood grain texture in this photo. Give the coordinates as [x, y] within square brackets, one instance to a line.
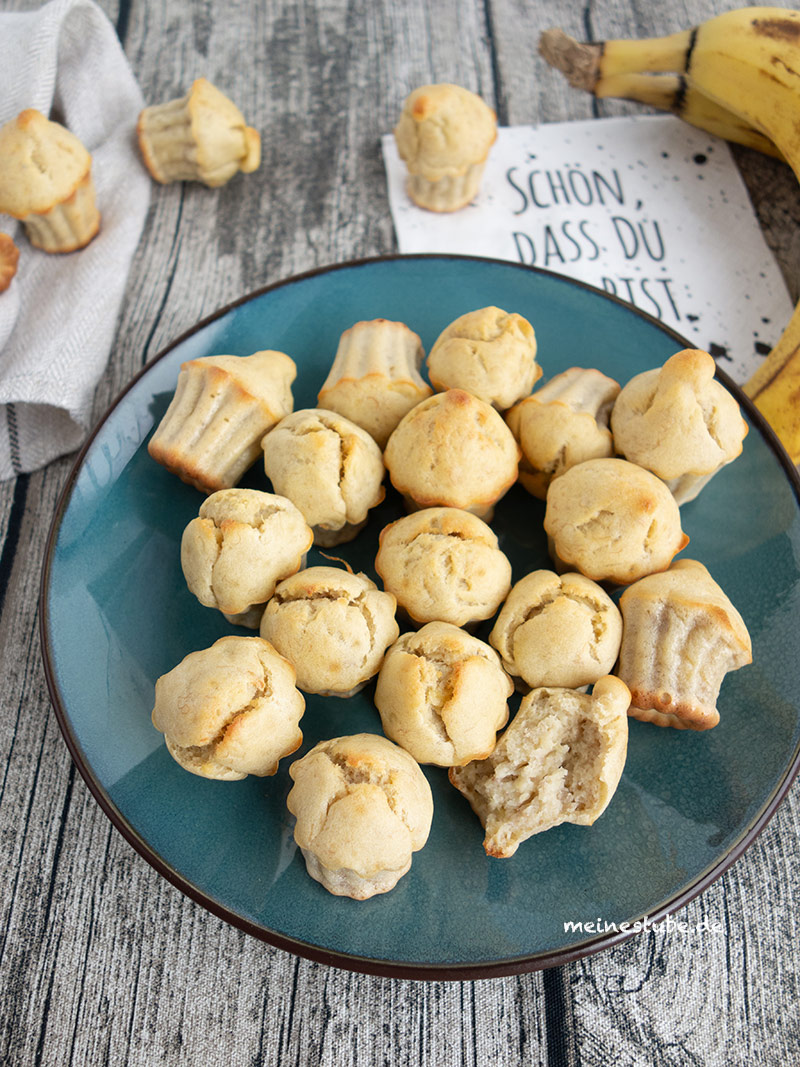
[103, 962]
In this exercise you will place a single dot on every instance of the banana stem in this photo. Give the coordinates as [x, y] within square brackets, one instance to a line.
[583, 64]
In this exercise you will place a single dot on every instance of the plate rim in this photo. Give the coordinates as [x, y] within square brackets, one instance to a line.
[509, 966]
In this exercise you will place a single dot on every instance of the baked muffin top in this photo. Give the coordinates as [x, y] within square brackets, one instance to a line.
[443, 130]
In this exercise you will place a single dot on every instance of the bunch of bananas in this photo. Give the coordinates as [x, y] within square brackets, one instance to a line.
[737, 76]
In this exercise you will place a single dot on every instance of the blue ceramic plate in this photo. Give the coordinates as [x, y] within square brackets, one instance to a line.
[116, 614]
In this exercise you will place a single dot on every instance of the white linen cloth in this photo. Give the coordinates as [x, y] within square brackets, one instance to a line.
[58, 317]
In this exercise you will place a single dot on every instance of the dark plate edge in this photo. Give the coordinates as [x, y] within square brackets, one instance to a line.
[366, 965]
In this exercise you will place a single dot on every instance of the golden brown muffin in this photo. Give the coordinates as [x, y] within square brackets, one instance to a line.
[443, 564]
[444, 135]
[681, 636]
[375, 377]
[612, 521]
[230, 710]
[201, 136]
[562, 424]
[557, 630]
[679, 422]
[559, 761]
[442, 695]
[9, 255]
[452, 450]
[363, 807]
[334, 626]
[223, 405]
[490, 353]
[46, 182]
[242, 543]
[329, 467]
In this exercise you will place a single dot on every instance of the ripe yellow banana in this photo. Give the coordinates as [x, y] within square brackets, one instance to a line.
[747, 63]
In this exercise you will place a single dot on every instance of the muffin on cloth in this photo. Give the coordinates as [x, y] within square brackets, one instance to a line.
[334, 626]
[452, 450]
[559, 761]
[442, 695]
[557, 630]
[242, 543]
[363, 807]
[375, 376]
[679, 423]
[612, 521]
[201, 136]
[563, 423]
[443, 564]
[444, 135]
[329, 467]
[46, 182]
[9, 255]
[230, 710]
[222, 407]
[681, 635]
[490, 353]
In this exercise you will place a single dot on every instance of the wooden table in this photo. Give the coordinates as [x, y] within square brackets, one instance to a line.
[102, 961]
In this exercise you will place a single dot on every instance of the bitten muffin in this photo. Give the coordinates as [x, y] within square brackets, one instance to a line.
[444, 135]
[442, 695]
[222, 407]
[375, 376]
[46, 182]
[490, 353]
[242, 543]
[443, 564]
[559, 761]
[562, 424]
[612, 521]
[331, 469]
[452, 450]
[363, 807]
[557, 631]
[679, 423]
[201, 136]
[681, 636]
[9, 255]
[334, 626]
[230, 710]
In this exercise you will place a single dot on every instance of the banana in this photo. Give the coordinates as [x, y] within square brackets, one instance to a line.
[745, 64]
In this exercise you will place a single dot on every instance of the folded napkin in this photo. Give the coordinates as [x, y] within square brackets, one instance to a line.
[58, 317]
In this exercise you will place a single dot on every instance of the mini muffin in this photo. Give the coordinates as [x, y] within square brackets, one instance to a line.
[334, 626]
[242, 543]
[681, 636]
[562, 424]
[329, 467]
[201, 136]
[46, 182]
[375, 377]
[443, 695]
[444, 135]
[9, 255]
[557, 631]
[679, 423]
[230, 710]
[223, 405]
[445, 564]
[490, 353]
[613, 521]
[452, 450]
[363, 807]
[559, 761]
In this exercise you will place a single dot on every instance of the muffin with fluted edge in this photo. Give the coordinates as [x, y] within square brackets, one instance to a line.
[444, 135]
[46, 182]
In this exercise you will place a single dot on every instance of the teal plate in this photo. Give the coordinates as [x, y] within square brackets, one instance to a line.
[115, 614]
